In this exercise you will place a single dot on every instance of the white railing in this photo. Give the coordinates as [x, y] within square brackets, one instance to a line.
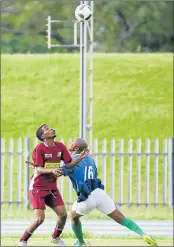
[134, 173]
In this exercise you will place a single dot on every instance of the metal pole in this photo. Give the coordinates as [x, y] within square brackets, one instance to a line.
[49, 32]
[91, 76]
[10, 172]
[171, 170]
[86, 129]
[26, 171]
[85, 82]
[86, 90]
[83, 77]
[2, 168]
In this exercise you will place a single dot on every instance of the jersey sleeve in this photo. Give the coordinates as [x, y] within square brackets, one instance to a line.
[38, 160]
[66, 157]
[67, 171]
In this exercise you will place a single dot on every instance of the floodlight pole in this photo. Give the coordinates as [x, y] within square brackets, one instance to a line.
[86, 75]
[90, 27]
[86, 78]
[83, 78]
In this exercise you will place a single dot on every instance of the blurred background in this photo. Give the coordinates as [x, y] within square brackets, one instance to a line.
[119, 26]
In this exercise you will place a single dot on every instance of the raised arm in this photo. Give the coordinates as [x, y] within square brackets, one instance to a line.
[82, 155]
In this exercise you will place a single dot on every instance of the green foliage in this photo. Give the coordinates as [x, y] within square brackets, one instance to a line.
[119, 26]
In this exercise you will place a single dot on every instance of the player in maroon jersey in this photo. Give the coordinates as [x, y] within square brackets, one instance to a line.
[43, 186]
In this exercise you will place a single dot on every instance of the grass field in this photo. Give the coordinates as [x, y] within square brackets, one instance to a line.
[140, 213]
[132, 99]
[44, 241]
[132, 95]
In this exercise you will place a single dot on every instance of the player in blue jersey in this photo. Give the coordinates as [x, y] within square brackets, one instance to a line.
[91, 194]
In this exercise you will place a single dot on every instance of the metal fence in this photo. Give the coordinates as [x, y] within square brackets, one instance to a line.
[134, 172]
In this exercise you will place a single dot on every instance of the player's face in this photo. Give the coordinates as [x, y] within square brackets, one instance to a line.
[49, 133]
[71, 146]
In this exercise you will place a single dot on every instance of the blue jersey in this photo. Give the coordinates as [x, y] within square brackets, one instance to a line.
[84, 170]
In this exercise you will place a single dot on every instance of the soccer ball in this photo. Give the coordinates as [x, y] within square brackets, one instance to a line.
[83, 12]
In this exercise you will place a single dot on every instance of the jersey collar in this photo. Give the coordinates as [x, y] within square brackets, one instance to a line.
[76, 155]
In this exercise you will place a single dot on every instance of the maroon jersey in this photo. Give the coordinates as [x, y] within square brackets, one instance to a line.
[48, 157]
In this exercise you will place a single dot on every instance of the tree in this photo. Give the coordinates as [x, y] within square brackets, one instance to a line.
[119, 25]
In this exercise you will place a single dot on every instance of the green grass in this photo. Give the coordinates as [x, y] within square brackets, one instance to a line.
[132, 99]
[132, 95]
[106, 241]
[150, 213]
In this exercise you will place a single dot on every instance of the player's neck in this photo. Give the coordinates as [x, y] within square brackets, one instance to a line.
[74, 153]
[49, 142]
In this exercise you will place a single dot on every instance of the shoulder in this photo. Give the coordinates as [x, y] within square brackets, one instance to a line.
[39, 147]
[90, 160]
[61, 145]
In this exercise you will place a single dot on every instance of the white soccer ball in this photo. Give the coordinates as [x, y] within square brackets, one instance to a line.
[83, 12]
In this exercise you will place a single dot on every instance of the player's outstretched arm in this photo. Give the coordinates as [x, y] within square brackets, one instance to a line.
[82, 155]
[43, 170]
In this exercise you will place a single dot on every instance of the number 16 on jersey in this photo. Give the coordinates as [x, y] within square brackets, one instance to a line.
[89, 174]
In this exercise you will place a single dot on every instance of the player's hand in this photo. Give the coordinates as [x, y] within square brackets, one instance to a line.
[56, 171]
[31, 164]
[60, 172]
[84, 153]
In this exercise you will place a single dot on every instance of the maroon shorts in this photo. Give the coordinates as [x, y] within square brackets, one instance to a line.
[40, 198]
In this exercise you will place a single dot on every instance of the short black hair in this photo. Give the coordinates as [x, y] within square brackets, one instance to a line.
[39, 132]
